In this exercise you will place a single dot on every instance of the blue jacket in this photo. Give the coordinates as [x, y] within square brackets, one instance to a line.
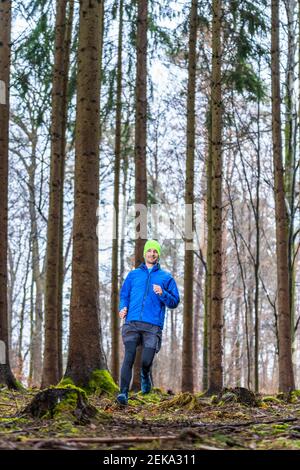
[142, 302]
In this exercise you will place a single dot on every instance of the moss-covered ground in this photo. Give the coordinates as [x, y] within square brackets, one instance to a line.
[155, 421]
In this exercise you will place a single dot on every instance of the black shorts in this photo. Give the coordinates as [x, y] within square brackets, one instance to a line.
[149, 336]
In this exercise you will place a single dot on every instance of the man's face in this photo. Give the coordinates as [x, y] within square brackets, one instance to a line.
[151, 256]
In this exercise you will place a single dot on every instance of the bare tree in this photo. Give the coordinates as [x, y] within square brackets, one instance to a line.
[140, 145]
[188, 309]
[6, 376]
[216, 301]
[286, 376]
[115, 342]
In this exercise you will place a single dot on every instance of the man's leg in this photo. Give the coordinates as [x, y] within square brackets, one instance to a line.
[126, 370]
[147, 359]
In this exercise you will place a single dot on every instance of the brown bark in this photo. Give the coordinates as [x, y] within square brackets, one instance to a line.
[207, 302]
[216, 314]
[20, 356]
[85, 348]
[37, 277]
[197, 324]
[140, 147]
[61, 268]
[53, 313]
[30, 375]
[187, 384]
[6, 376]
[286, 376]
[141, 120]
[115, 342]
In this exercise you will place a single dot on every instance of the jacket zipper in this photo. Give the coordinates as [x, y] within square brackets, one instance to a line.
[145, 295]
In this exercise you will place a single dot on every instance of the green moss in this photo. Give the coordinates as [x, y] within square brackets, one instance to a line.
[270, 399]
[280, 427]
[294, 396]
[156, 396]
[102, 382]
[214, 399]
[20, 386]
[279, 443]
[69, 402]
[67, 405]
[65, 381]
[62, 427]
[64, 400]
[70, 386]
[260, 430]
[9, 420]
[186, 400]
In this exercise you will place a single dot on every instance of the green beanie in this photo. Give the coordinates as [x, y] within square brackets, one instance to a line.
[152, 244]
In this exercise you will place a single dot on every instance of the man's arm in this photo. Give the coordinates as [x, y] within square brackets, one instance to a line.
[125, 293]
[170, 295]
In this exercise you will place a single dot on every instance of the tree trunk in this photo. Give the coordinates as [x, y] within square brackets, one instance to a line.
[6, 376]
[216, 315]
[140, 151]
[85, 347]
[124, 205]
[257, 256]
[236, 366]
[290, 156]
[286, 376]
[53, 296]
[30, 375]
[187, 384]
[207, 300]
[141, 125]
[115, 346]
[20, 355]
[61, 269]
[197, 322]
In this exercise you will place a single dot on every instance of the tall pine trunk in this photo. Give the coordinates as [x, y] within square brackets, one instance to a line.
[187, 384]
[53, 288]
[37, 275]
[61, 268]
[216, 300]
[6, 376]
[286, 376]
[140, 147]
[290, 132]
[115, 342]
[197, 324]
[207, 299]
[257, 254]
[85, 347]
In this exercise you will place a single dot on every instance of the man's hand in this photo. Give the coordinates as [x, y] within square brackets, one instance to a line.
[123, 313]
[157, 289]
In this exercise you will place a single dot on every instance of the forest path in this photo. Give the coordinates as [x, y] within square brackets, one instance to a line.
[156, 422]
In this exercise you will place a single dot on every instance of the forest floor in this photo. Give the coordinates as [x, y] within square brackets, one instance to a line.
[157, 421]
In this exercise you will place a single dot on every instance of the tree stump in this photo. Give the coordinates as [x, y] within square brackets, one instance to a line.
[238, 395]
[56, 401]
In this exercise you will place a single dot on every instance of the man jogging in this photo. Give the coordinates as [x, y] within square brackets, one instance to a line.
[144, 296]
